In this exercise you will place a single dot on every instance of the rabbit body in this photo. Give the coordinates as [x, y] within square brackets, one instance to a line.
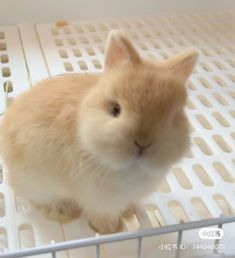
[98, 143]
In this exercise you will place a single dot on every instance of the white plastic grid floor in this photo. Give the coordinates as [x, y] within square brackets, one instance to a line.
[201, 186]
[12, 64]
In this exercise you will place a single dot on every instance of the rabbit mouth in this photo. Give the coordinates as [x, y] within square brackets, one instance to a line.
[141, 148]
[140, 154]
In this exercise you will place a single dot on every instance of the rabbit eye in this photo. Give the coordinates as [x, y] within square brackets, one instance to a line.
[116, 110]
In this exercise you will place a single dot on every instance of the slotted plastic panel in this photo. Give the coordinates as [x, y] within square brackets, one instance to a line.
[13, 74]
[202, 184]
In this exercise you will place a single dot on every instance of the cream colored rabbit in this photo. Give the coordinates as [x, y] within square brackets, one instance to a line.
[99, 142]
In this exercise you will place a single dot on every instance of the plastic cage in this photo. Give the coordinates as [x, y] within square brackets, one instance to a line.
[198, 192]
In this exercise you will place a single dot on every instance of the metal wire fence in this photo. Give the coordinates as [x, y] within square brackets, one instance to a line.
[138, 236]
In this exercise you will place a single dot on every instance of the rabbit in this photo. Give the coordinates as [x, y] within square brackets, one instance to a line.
[99, 143]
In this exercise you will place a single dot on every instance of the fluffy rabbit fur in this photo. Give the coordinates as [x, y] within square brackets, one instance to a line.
[99, 143]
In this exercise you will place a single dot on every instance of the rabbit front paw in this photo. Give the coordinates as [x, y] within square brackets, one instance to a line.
[105, 224]
[62, 211]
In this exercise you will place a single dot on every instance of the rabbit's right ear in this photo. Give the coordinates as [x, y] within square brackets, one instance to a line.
[183, 63]
[119, 49]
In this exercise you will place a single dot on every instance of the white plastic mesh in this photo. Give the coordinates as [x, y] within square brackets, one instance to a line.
[202, 185]
[13, 72]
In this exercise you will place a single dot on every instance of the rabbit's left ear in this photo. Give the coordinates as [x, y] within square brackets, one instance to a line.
[182, 64]
[119, 49]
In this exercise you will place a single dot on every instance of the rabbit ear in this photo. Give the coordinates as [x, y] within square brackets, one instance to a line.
[119, 49]
[182, 64]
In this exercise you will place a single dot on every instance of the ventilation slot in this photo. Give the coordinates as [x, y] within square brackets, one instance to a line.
[84, 40]
[223, 205]
[4, 59]
[203, 146]
[206, 52]
[143, 46]
[203, 121]
[3, 240]
[222, 144]
[6, 72]
[79, 29]
[205, 83]
[3, 46]
[155, 216]
[63, 53]
[233, 136]
[1, 174]
[232, 113]
[178, 211]
[190, 104]
[97, 64]
[22, 205]
[58, 42]
[220, 82]
[231, 62]
[68, 67]
[164, 55]
[2, 35]
[97, 39]
[222, 121]
[103, 27]
[220, 99]
[219, 65]
[231, 77]
[91, 28]
[189, 154]
[54, 32]
[66, 30]
[206, 67]
[164, 187]
[191, 86]
[205, 102]
[132, 224]
[201, 208]
[182, 179]
[156, 45]
[219, 51]
[26, 236]
[134, 35]
[71, 41]
[230, 49]
[2, 205]
[77, 52]
[90, 51]
[232, 94]
[82, 65]
[202, 175]
[223, 172]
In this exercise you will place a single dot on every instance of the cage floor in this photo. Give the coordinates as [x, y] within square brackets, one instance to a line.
[200, 186]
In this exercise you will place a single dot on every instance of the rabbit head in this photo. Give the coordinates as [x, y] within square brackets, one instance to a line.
[135, 114]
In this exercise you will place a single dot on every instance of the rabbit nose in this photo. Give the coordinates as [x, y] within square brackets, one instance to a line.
[141, 146]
